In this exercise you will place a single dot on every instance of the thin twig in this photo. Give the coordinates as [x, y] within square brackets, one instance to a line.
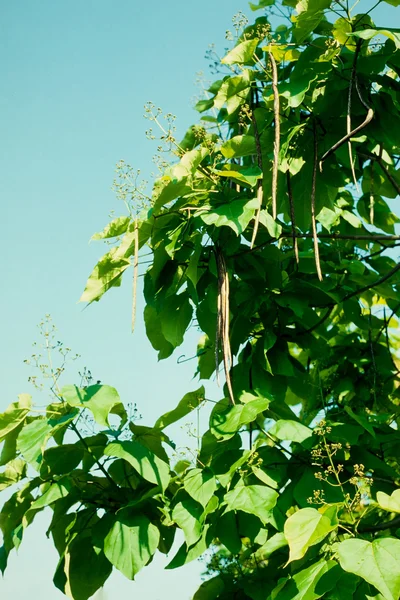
[318, 323]
[387, 321]
[372, 285]
[313, 222]
[380, 527]
[379, 160]
[368, 119]
[292, 216]
[135, 272]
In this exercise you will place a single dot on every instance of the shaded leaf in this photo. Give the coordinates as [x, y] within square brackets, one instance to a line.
[101, 400]
[189, 402]
[253, 499]
[241, 54]
[200, 484]
[306, 528]
[377, 562]
[145, 462]
[130, 544]
[116, 227]
[389, 503]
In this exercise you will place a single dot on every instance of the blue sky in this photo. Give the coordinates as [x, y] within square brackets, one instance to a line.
[75, 77]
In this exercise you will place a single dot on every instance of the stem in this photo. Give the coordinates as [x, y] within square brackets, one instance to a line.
[97, 462]
[337, 478]
[135, 274]
[367, 120]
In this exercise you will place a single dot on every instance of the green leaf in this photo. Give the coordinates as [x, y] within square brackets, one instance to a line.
[85, 569]
[11, 516]
[233, 91]
[130, 544]
[361, 420]
[187, 514]
[328, 217]
[186, 555]
[101, 400]
[116, 227]
[228, 533]
[248, 175]
[311, 13]
[242, 54]
[272, 544]
[377, 562]
[32, 441]
[200, 484]
[145, 462]
[189, 163]
[239, 145]
[210, 589]
[166, 189]
[304, 584]
[56, 491]
[236, 215]
[306, 528]
[345, 585]
[389, 503]
[273, 228]
[105, 275]
[290, 431]
[256, 500]
[14, 415]
[226, 421]
[175, 318]
[298, 86]
[13, 473]
[61, 459]
[154, 333]
[368, 34]
[203, 105]
[152, 438]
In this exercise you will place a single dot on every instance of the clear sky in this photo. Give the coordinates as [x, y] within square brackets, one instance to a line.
[75, 76]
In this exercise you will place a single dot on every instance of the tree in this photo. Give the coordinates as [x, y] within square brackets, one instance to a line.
[271, 229]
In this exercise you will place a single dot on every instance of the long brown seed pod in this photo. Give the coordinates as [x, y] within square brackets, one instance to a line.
[368, 119]
[260, 181]
[223, 321]
[218, 334]
[372, 196]
[348, 119]
[313, 190]
[292, 216]
[135, 273]
[258, 213]
[277, 132]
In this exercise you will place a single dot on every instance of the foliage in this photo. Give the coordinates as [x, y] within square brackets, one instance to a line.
[272, 230]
